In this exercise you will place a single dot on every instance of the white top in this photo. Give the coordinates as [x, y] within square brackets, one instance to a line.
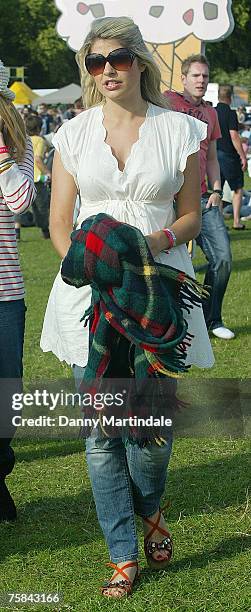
[142, 195]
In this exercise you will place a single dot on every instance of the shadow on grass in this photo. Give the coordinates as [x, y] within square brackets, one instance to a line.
[66, 521]
[237, 266]
[207, 488]
[46, 448]
[242, 330]
[226, 549]
[241, 264]
[239, 235]
[51, 524]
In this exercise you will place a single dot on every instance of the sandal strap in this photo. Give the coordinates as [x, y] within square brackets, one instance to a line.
[119, 583]
[120, 570]
[155, 525]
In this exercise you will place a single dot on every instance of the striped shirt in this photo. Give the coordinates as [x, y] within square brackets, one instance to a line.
[17, 193]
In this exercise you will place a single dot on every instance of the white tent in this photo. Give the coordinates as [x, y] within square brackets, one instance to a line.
[65, 95]
[45, 92]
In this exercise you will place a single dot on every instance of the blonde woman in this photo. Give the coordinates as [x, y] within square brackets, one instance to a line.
[126, 155]
[16, 195]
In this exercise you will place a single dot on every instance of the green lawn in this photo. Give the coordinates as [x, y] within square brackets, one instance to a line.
[57, 545]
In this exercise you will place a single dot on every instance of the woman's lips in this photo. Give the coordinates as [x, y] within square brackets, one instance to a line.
[112, 85]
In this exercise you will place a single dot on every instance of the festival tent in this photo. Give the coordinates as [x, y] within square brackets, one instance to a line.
[65, 95]
[24, 94]
[44, 92]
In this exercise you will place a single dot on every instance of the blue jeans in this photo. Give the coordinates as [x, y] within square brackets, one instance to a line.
[12, 322]
[214, 242]
[126, 480]
[41, 205]
[245, 210]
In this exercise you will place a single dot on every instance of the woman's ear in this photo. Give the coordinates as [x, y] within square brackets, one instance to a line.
[141, 66]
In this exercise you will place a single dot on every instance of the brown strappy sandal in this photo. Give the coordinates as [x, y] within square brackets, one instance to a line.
[126, 585]
[152, 547]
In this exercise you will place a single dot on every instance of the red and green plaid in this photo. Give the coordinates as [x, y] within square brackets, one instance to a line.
[132, 296]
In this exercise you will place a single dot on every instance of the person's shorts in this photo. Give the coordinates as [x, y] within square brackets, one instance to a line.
[230, 169]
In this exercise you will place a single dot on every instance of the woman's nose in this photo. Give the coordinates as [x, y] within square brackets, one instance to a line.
[108, 69]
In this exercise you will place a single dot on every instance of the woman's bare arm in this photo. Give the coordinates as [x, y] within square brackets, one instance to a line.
[63, 198]
[188, 209]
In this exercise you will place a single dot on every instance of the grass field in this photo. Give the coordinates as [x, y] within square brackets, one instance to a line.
[56, 543]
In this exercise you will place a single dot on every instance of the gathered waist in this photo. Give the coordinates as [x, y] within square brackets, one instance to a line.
[116, 201]
[146, 215]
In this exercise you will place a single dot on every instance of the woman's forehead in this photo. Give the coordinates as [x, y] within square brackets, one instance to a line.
[105, 46]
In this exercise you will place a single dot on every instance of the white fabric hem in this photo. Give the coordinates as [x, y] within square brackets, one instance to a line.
[81, 362]
[70, 360]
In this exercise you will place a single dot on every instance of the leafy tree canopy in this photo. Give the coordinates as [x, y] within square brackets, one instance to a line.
[28, 38]
[235, 51]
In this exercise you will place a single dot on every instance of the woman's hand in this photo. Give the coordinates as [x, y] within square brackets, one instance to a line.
[214, 200]
[157, 242]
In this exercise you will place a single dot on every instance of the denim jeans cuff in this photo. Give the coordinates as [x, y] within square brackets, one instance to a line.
[214, 325]
[143, 516]
[133, 557]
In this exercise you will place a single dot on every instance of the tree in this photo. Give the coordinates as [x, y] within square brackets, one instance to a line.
[235, 51]
[230, 60]
[241, 78]
[28, 38]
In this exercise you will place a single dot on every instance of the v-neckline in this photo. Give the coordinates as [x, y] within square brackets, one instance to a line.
[134, 145]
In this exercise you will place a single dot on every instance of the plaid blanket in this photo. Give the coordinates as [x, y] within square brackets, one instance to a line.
[137, 326]
[132, 296]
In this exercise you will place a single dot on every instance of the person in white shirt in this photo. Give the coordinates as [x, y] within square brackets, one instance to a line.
[126, 155]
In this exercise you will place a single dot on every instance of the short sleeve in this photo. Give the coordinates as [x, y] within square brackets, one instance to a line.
[62, 143]
[216, 131]
[233, 120]
[194, 132]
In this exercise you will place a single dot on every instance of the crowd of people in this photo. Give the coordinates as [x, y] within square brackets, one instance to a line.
[140, 174]
[232, 150]
[41, 124]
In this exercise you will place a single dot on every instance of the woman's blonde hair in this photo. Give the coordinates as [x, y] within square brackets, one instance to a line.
[14, 129]
[128, 33]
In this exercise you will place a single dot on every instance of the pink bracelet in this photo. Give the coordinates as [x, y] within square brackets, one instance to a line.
[4, 150]
[171, 237]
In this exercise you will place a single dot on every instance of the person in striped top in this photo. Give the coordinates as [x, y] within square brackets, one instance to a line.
[16, 195]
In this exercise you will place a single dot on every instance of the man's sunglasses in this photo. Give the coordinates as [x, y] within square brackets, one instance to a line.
[120, 59]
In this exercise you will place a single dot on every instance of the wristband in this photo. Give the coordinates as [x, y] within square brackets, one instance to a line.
[171, 238]
[4, 150]
[4, 168]
[4, 161]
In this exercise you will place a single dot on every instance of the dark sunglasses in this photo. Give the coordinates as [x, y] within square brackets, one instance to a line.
[120, 59]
